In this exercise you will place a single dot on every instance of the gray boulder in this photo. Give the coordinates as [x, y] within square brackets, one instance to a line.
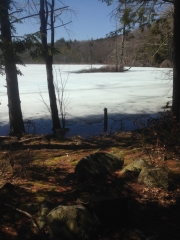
[136, 166]
[154, 177]
[72, 223]
[97, 164]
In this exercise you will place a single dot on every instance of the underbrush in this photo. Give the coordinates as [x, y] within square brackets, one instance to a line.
[161, 138]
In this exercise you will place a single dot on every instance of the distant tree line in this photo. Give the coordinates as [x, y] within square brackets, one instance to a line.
[141, 48]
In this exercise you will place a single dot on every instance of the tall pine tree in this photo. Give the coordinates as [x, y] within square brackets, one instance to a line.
[9, 60]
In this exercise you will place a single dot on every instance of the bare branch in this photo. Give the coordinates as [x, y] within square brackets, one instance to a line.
[61, 25]
[28, 215]
[37, 14]
[17, 11]
[44, 102]
[162, 44]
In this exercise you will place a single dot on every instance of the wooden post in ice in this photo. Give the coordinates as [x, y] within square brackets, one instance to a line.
[105, 119]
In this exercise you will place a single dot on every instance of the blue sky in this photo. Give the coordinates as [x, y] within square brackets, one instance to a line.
[91, 20]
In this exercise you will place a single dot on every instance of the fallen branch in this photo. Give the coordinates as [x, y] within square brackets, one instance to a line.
[30, 139]
[4, 137]
[28, 215]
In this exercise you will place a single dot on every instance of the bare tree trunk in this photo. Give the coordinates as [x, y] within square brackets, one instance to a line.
[14, 104]
[116, 41]
[123, 39]
[52, 95]
[122, 46]
[176, 61]
[49, 60]
[117, 62]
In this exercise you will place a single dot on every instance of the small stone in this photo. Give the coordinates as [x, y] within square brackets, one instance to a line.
[136, 166]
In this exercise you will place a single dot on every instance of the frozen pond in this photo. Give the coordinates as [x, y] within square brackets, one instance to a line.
[128, 96]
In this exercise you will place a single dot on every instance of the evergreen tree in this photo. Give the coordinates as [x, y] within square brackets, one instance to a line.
[9, 60]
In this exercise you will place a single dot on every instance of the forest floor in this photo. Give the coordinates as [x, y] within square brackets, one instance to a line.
[36, 168]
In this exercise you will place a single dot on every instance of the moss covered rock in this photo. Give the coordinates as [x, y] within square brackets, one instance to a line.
[136, 166]
[72, 223]
[98, 164]
[154, 177]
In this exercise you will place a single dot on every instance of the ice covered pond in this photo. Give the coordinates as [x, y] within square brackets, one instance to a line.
[128, 96]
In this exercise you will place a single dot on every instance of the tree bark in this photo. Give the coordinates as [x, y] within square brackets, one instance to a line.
[176, 61]
[14, 104]
[52, 95]
[49, 61]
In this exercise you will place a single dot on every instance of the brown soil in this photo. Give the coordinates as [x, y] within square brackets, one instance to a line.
[41, 168]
